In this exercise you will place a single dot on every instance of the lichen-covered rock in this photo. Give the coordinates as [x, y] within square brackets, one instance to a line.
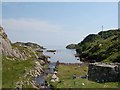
[19, 49]
[54, 78]
[23, 51]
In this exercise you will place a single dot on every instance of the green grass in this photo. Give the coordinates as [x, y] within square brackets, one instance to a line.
[0, 71]
[65, 73]
[13, 69]
[101, 47]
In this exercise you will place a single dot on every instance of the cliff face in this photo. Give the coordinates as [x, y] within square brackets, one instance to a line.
[104, 46]
[6, 47]
[18, 50]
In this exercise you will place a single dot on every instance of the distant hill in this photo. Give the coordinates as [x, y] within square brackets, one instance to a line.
[71, 46]
[104, 46]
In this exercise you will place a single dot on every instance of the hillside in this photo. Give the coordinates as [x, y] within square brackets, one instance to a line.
[20, 62]
[71, 46]
[104, 46]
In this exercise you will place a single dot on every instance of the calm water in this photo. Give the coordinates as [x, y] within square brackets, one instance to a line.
[41, 79]
[63, 55]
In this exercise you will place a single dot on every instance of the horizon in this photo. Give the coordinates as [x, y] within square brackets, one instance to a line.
[53, 24]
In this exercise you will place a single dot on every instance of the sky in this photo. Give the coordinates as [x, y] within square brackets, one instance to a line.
[57, 24]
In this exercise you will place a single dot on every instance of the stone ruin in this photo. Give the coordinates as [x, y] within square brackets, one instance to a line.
[101, 72]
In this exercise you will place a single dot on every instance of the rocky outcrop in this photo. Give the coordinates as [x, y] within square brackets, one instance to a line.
[29, 44]
[6, 47]
[50, 50]
[71, 46]
[19, 49]
[54, 78]
[23, 51]
[33, 73]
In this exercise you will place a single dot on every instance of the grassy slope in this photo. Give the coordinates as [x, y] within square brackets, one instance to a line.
[101, 47]
[12, 70]
[0, 72]
[65, 73]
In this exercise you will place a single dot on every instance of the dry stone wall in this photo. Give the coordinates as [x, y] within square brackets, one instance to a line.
[104, 72]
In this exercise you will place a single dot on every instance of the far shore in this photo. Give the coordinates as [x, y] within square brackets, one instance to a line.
[50, 50]
[82, 63]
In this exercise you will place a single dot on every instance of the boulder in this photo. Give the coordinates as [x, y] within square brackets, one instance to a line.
[52, 80]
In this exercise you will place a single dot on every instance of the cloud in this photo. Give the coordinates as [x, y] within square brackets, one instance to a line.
[29, 24]
[42, 32]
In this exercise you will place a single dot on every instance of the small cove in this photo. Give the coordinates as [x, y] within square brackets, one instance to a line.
[62, 55]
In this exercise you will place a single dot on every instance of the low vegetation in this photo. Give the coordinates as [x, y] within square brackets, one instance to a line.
[71, 46]
[104, 46]
[66, 72]
[0, 72]
[14, 70]
[20, 62]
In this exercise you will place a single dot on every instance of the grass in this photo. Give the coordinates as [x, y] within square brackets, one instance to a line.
[13, 71]
[101, 47]
[65, 73]
[0, 71]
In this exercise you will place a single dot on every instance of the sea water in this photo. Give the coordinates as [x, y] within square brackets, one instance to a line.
[62, 55]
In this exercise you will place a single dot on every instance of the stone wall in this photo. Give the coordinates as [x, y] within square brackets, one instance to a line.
[101, 72]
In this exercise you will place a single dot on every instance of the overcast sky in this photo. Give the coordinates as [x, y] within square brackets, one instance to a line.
[57, 24]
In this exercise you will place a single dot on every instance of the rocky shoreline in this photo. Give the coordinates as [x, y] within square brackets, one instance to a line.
[51, 70]
[33, 73]
[20, 52]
